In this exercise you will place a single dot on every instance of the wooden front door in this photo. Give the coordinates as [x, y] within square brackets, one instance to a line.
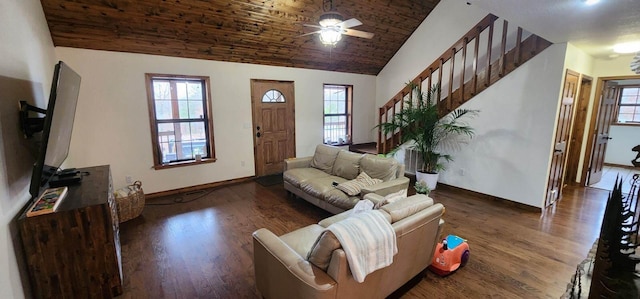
[606, 112]
[273, 124]
[555, 183]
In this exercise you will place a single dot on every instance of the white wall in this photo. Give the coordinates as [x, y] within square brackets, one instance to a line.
[26, 69]
[112, 119]
[510, 155]
[581, 62]
[623, 137]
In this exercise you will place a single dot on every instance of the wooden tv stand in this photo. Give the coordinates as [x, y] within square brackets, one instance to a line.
[75, 251]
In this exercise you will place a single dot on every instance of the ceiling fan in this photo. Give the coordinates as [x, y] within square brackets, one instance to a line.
[333, 26]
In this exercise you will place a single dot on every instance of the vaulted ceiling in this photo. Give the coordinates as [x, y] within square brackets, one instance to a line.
[249, 31]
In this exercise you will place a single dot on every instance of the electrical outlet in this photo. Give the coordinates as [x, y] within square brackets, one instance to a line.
[462, 171]
[128, 179]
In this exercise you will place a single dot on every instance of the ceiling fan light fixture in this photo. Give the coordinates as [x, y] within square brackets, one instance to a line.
[330, 36]
[331, 18]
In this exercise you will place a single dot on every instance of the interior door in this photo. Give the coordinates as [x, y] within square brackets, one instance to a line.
[273, 124]
[555, 183]
[606, 112]
[581, 106]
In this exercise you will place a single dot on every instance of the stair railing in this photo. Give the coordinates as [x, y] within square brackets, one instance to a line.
[460, 76]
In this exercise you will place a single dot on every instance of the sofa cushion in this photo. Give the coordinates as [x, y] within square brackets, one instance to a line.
[325, 157]
[340, 199]
[406, 207]
[379, 167]
[302, 239]
[316, 187]
[347, 165]
[298, 175]
[320, 253]
[353, 187]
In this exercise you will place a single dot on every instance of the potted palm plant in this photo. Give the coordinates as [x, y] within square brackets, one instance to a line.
[425, 132]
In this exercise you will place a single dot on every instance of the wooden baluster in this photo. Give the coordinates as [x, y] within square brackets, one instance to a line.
[437, 99]
[487, 78]
[474, 86]
[464, 66]
[393, 134]
[503, 48]
[517, 52]
[451, 69]
[380, 144]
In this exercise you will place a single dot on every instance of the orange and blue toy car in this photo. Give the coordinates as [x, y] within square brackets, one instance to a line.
[450, 254]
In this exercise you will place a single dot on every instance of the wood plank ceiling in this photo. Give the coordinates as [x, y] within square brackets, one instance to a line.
[248, 31]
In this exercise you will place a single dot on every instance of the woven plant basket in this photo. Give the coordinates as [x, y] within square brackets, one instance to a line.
[130, 206]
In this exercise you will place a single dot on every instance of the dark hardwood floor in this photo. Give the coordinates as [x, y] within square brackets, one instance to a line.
[203, 248]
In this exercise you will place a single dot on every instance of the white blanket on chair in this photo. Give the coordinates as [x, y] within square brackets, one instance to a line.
[368, 241]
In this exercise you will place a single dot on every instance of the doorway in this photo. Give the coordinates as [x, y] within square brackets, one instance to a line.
[273, 106]
[578, 130]
[561, 141]
[603, 115]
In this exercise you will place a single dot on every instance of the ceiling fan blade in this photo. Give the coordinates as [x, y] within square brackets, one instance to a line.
[313, 26]
[310, 33]
[358, 33]
[350, 23]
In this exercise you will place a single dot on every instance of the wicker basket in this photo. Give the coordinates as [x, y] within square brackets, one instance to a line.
[130, 206]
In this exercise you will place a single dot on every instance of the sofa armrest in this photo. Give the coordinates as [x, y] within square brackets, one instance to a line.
[387, 187]
[376, 199]
[281, 272]
[302, 162]
[338, 266]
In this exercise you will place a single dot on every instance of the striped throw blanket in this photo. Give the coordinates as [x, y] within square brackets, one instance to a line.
[368, 241]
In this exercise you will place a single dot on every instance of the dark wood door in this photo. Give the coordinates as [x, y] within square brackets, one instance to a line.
[555, 183]
[606, 112]
[273, 124]
[581, 106]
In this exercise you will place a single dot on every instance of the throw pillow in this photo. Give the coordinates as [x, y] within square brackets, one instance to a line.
[320, 253]
[353, 187]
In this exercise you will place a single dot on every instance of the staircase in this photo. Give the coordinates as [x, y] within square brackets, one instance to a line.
[476, 61]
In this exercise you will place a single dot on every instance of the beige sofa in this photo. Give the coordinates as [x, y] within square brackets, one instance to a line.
[283, 268]
[312, 178]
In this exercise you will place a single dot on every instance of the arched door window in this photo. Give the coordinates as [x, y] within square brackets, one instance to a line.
[273, 96]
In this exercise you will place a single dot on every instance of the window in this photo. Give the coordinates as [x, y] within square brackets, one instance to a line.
[181, 127]
[337, 113]
[273, 96]
[629, 105]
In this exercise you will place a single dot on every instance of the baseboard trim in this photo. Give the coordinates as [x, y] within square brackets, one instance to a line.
[521, 206]
[199, 187]
[621, 166]
[505, 201]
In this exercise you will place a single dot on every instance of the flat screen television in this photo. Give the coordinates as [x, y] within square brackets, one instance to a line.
[57, 128]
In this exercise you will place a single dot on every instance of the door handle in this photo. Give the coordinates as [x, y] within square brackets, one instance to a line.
[557, 151]
[258, 134]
